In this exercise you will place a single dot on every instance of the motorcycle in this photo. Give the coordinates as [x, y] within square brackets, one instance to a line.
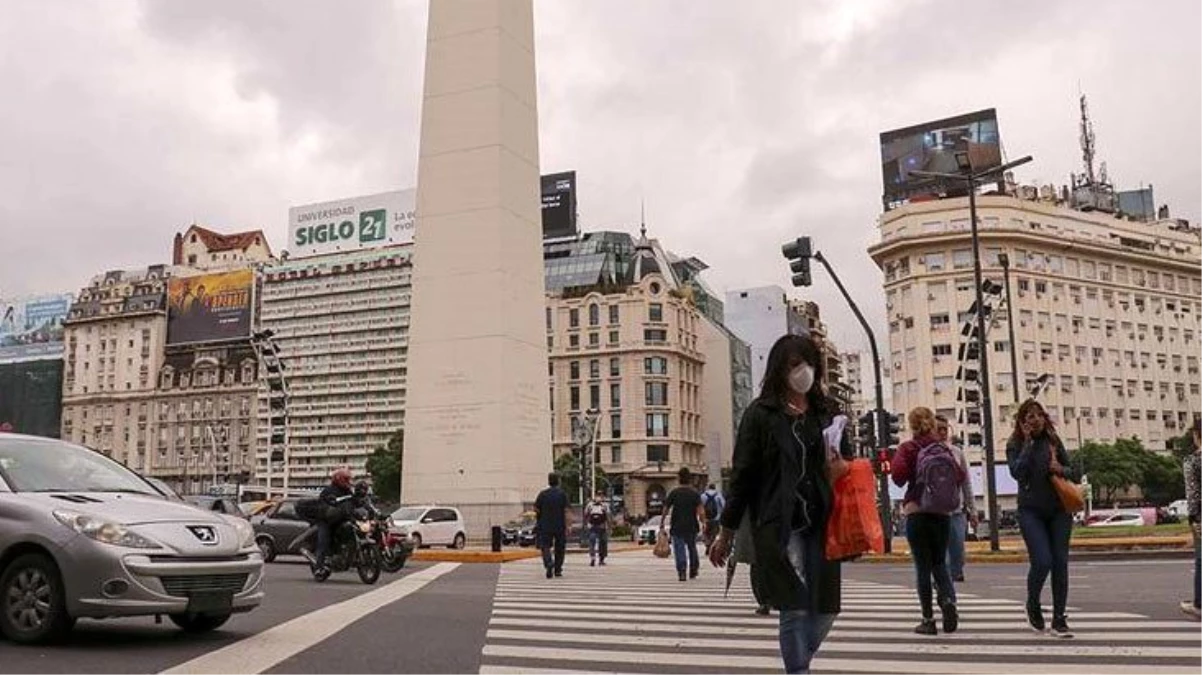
[351, 545]
[394, 549]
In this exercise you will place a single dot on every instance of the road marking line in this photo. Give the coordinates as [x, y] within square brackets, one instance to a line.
[859, 612]
[767, 628]
[837, 644]
[709, 599]
[265, 650]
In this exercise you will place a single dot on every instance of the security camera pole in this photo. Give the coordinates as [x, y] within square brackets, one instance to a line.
[972, 180]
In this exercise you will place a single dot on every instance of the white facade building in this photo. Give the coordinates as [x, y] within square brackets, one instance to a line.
[341, 322]
[1107, 313]
[760, 316]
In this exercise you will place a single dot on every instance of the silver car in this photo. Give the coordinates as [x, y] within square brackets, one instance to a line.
[83, 536]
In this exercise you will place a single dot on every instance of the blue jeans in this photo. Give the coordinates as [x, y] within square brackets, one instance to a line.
[1047, 539]
[801, 631]
[955, 544]
[684, 549]
[324, 538]
[927, 534]
[554, 546]
[598, 538]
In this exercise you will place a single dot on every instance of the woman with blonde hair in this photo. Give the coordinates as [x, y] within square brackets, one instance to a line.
[933, 480]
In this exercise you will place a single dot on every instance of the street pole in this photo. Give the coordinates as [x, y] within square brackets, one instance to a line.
[882, 424]
[982, 344]
[592, 478]
[1010, 311]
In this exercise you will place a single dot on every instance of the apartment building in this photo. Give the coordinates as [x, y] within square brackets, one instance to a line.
[1107, 314]
[341, 322]
[760, 316]
[812, 322]
[624, 341]
[114, 337]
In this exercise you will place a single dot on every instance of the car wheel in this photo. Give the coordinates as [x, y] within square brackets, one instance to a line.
[460, 541]
[417, 540]
[267, 548]
[199, 623]
[33, 607]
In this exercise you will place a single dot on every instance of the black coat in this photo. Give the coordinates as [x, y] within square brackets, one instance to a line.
[765, 468]
[1029, 466]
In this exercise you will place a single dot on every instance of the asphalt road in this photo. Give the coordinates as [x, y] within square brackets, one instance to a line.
[437, 617]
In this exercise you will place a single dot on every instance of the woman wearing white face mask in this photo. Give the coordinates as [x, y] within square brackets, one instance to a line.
[781, 477]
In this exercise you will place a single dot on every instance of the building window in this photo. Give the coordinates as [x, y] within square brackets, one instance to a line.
[615, 396]
[613, 337]
[615, 426]
[548, 318]
[574, 370]
[655, 312]
[655, 365]
[657, 425]
[573, 318]
[613, 314]
[594, 315]
[615, 368]
[573, 342]
[594, 369]
[657, 453]
[615, 454]
[594, 396]
[655, 335]
[575, 398]
[657, 393]
[935, 262]
[594, 340]
[941, 350]
[962, 258]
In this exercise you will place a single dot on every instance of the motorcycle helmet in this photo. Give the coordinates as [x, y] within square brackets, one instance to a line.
[362, 489]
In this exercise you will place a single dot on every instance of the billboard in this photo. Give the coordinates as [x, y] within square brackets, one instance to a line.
[210, 307]
[933, 146]
[32, 328]
[31, 397]
[385, 219]
[559, 205]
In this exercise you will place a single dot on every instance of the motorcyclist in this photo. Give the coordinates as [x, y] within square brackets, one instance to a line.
[362, 500]
[336, 496]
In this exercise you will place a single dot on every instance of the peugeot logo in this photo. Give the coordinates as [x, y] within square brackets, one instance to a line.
[206, 534]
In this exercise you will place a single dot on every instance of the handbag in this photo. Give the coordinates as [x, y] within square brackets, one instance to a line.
[662, 548]
[1069, 493]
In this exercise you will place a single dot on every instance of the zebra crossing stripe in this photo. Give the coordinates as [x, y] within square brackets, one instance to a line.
[712, 610]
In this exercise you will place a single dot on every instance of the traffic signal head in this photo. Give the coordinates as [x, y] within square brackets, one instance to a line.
[865, 432]
[798, 253]
[882, 462]
[890, 428]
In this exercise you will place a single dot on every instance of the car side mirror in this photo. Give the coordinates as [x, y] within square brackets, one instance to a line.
[427, 520]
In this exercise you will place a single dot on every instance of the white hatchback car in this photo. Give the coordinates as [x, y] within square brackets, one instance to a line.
[431, 526]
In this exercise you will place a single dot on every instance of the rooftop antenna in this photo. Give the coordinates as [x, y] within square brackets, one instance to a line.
[1088, 142]
[643, 218]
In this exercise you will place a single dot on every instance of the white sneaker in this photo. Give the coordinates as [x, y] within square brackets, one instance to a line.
[1190, 611]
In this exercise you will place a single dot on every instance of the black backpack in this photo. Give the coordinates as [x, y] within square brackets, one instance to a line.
[711, 506]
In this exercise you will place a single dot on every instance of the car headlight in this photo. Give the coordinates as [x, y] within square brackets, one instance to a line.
[245, 532]
[103, 531]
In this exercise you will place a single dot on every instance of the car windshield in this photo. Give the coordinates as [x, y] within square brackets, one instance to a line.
[44, 465]
[654, 521]
[408, 513]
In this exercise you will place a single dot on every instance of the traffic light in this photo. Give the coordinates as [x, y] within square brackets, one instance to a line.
[865, 433]
[890, 428]
[798, 254]
[882, 462]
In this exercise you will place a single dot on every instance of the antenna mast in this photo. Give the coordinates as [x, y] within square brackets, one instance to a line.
[1088, 142]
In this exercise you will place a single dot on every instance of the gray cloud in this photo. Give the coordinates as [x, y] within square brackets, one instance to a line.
[741, 125]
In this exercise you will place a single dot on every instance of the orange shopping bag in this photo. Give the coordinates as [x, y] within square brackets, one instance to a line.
[854, 527]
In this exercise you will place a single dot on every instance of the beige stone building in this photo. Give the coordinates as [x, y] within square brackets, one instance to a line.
[1107, 314]
[625, 342]
[113, 338]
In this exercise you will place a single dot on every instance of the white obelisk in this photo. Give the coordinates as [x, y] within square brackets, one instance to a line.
[477, 418]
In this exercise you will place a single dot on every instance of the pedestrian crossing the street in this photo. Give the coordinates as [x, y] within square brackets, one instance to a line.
[634, 616]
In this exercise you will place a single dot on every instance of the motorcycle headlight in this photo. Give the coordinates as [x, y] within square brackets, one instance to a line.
[103, 531]
[245, 532]
[364, 527]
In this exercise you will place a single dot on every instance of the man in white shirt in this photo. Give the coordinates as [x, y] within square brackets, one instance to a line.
[968, 511]
[596, 519]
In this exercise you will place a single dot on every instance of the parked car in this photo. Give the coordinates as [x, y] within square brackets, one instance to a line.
[278, 528]
[520, 532]
[84, 537]
[1116, 520]
[648, 529]
[431, 525]
[1179, 509]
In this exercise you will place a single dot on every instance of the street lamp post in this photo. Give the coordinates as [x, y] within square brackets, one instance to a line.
[1004, 260]
[972, 179]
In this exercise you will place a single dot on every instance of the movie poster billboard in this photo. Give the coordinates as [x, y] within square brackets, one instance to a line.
[210, 307]
[934, 146]
[371, 221]
[559, 205]
[32, 328]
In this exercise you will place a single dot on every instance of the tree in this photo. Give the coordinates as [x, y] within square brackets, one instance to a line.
[384, 467]
[1111, 468]
[1164, 480]
[567, 465]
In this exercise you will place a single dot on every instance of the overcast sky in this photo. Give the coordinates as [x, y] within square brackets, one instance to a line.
[742, 124]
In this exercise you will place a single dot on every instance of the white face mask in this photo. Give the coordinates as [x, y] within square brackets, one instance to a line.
[802, 378]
